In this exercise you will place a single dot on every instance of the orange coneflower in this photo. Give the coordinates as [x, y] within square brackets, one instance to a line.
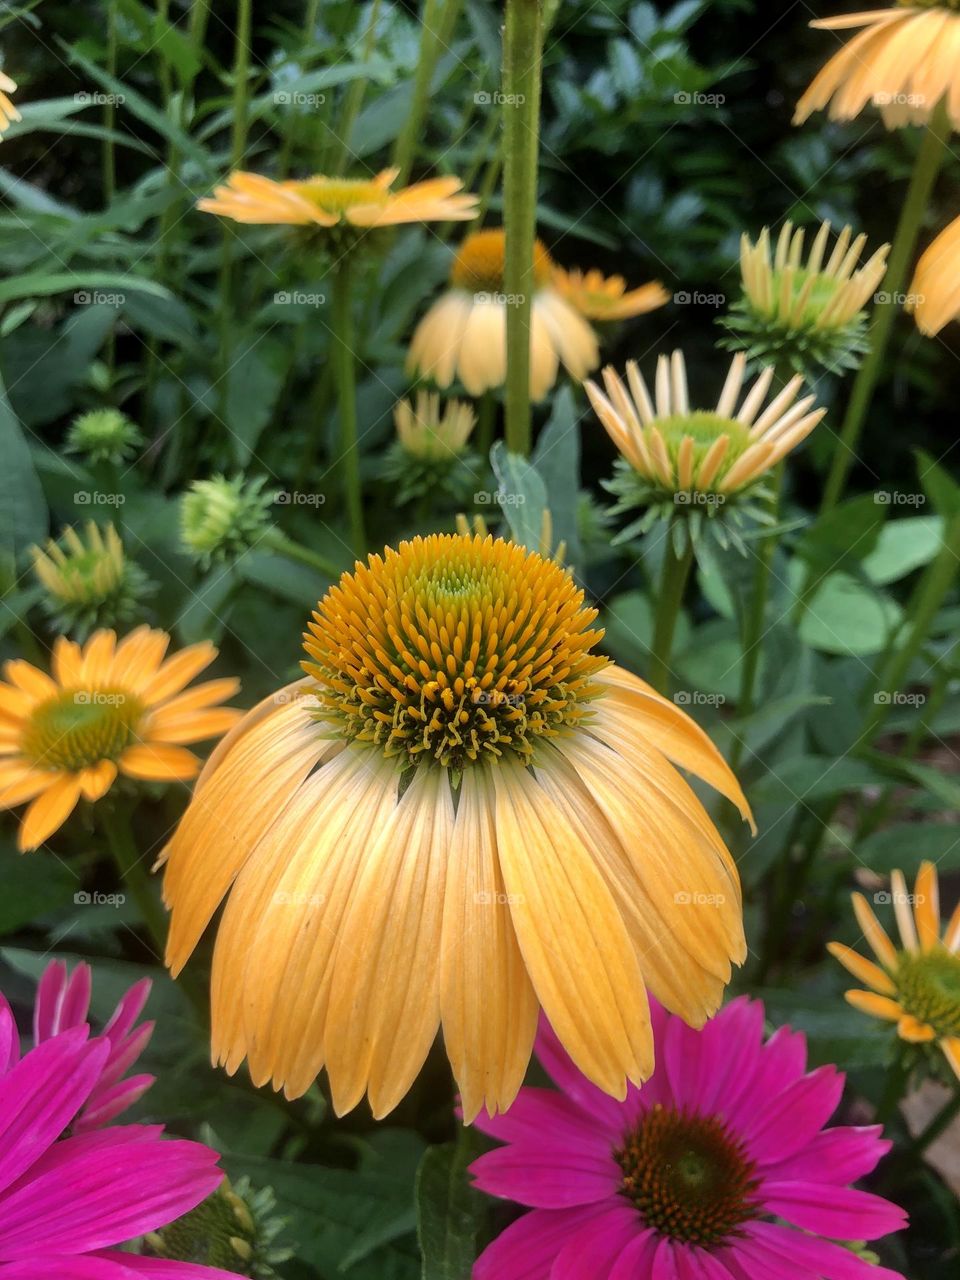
[917, 985]
[461, 814]
[106, 708]
[324, 202]
[905, 60]
[464, 334]
[934, 297]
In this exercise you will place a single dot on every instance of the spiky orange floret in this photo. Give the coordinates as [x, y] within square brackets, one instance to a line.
[453, 648]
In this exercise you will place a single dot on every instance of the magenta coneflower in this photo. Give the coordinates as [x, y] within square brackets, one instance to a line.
[67, 1201]
[63, 1002]
[718, 1168]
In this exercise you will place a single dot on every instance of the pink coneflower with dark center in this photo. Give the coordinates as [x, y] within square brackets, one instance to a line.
[718, 1168]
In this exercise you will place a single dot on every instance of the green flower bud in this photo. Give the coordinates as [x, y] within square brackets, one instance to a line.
[104, 435]
[88, 582]
[220, 519]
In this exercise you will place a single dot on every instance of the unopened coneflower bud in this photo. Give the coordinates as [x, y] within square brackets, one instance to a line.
[220, 519]
[104, 435]
[234, 1229]
[88, 581]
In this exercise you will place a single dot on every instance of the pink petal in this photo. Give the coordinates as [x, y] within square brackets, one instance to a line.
[75, 1002]
[41, 1095]
[162, 1269]
[47, 1002]
[683, 1058]
[785, 1123]
[552, 1176]
[128, 1010]
[732, 1041]
[49, 1267]
[96, 1192]
[592, 1251]
[126, 1052]
[752, 1257]
[537, 1113]
[528, 1247]
[782, 1060]
[836, 1156]
[825, 1259]
[638, 1258]
[694, 1263]
[840, 1213]
[106, 1104]
[9, 1038]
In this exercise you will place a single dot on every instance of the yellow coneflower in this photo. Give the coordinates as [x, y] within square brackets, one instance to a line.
[464, 334]
[805, 312]
[106, 708]
[324, 201]
[679, 450]
[934, 297]
[425, 432]
[918, 985]
[462, 814]
[87, 580]
[600, 297]
[8, 112]
[904, 60]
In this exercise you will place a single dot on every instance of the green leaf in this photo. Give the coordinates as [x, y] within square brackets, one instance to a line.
[450, 1212]
[254, 381]
[846, 617]
[23, 507]
[812, 778]
[906, 844]
[522, 495]
[902, 547]
[42, 284]
[844, 536]
[557, 460]
[33, 886]
[939, 486]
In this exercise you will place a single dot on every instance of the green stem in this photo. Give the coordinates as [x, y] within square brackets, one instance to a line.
[115, 819]
[486, 420]
[673, 580]
[938, 1125]
[925, 603]
[344, 362]
[238, 142]
[522, 69]
[753, 632]
[898, 1074]
[356, 92]
[925, 170]
[110, 108]
[434, 22]
[274, 540]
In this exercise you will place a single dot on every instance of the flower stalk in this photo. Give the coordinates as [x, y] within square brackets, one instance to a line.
[673, 581]
[522, 69]
[345, 372]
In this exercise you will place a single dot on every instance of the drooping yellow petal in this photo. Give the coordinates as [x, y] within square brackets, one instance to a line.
[926, 907]
[96, 780]
[49, 811]
[862, 969]
[874, 932]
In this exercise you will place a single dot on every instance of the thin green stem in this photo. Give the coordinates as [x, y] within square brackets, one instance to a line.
[434, 22]
[925, 170]
[938, 1125]
[924, 605]
[238, 143]
[344, 361]
[115, 819]
[274, 540]
[898, 1074]
[110, 108]
[356, 92]
[673, 581]
[486, 421]
[522, 70]
[752, 637]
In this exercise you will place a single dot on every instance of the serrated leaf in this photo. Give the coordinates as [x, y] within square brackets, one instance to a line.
[450, 1212]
